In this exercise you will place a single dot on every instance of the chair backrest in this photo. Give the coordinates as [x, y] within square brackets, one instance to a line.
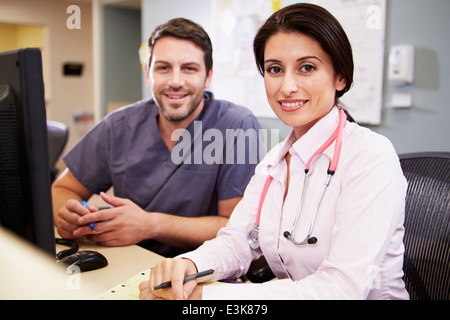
[426, 264]
[58, 134]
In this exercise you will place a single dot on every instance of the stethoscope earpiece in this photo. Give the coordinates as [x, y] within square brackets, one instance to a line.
[309, 240]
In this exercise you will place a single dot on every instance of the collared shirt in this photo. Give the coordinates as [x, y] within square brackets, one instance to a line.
[126, 151]
[359, 226]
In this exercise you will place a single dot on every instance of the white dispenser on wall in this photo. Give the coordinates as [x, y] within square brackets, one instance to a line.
[401, 65]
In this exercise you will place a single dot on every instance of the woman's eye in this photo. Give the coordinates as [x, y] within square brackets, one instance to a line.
[308, 68]
[273, 70]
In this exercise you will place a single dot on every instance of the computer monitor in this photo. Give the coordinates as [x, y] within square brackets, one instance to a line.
[25, 189]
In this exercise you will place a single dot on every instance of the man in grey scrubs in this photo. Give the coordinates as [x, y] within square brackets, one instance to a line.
[178, 162]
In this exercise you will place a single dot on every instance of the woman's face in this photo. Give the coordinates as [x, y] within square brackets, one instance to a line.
[299, 79]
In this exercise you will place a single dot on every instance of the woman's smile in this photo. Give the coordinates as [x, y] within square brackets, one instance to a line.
[292, 105]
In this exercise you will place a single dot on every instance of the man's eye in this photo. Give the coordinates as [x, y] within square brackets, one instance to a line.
[191, 69]
[162, 68]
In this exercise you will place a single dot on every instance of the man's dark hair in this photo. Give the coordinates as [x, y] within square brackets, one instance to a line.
[181, 28]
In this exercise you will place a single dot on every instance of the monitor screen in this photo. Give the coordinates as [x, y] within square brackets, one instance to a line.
[25, 189]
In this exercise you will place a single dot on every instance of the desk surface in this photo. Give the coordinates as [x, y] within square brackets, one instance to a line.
[123, 264]
[28, 273]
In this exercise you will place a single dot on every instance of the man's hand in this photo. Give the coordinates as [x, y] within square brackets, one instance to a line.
[68, 218]
[125, 223]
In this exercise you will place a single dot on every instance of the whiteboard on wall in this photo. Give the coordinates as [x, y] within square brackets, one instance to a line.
[235, 74]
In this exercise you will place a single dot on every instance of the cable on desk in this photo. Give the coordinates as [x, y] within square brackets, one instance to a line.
[67, 252]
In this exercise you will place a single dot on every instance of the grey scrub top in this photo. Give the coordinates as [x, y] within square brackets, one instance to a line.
[126, 151]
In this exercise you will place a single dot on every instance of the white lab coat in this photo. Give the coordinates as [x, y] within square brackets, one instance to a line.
[359, 227]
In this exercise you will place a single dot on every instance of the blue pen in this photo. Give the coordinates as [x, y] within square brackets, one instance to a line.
[90, 224]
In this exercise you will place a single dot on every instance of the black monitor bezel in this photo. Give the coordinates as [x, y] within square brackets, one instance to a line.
[21, 71]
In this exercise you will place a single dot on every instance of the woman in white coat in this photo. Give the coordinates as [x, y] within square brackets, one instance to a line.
[326, 206]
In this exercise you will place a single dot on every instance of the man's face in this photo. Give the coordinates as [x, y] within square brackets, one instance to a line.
[177, 78]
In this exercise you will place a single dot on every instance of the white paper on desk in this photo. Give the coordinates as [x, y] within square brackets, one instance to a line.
[128, 290]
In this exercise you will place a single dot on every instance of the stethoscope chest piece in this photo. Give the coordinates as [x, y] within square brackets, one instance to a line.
[253, 237]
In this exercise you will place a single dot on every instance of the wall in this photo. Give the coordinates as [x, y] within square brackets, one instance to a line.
[15, 36]
[425, 24]
[425, 126]
[65, 95]
[421, 23]
[122, 69]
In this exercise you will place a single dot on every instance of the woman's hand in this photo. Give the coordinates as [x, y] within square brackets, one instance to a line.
[173, 270]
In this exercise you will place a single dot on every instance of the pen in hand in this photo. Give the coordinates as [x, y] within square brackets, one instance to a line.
[90, 224]
[168, 284]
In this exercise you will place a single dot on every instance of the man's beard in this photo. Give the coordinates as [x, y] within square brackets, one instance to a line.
[173, 115]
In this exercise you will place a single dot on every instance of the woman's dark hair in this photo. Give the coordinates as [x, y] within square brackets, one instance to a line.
[319, 24]
[181, 28]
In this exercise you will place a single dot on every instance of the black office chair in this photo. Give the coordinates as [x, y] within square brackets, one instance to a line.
[426, 259]
[58, 134]
[258, 272]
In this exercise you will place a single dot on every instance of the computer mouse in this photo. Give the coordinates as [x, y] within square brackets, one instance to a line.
[86, 260]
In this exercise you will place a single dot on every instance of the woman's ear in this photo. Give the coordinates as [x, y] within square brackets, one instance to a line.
[340, 83]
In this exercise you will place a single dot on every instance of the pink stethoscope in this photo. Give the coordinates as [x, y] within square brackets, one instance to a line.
[253, 235]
